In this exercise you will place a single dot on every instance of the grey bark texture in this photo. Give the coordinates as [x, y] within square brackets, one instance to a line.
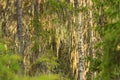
[20, 32]
[80, 22]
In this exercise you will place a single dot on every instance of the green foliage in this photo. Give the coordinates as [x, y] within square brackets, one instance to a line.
[42, 77]
[9, 67]
[55, 6]
[8, 64]
[110, 53]
[107, 57]
[61, 10]
[49, 60]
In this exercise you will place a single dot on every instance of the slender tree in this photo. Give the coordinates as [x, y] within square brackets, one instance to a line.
[79, 21]
[20, 32]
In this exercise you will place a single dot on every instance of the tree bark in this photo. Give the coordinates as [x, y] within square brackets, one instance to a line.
[80, 22]
[85, 39]
[20, 32]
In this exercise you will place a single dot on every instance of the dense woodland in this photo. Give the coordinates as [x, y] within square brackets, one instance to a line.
[59, 39]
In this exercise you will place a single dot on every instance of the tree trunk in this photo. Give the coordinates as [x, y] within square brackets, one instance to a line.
[85, 39]
[20, 32]
[80, 22]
